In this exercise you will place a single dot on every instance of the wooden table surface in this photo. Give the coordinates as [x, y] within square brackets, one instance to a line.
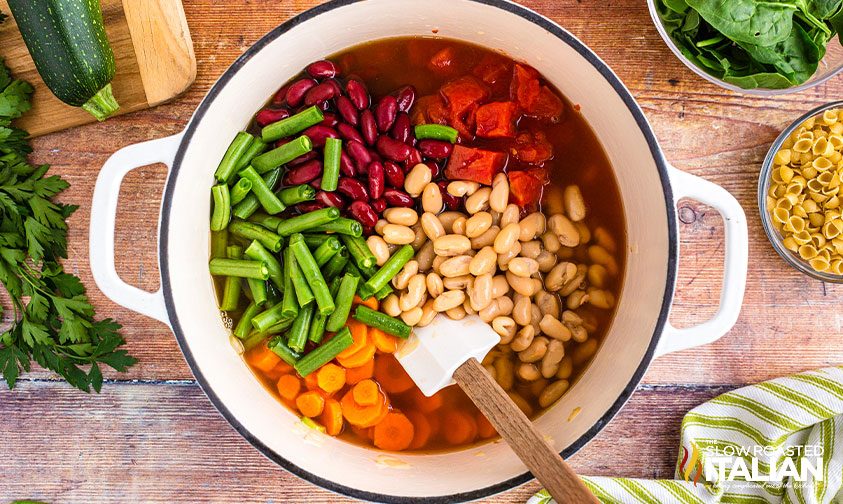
[152, 435]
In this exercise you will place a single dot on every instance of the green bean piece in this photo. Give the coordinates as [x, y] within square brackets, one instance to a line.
[292, 125]
[258, 290]
[311, 271]
[305, 222]
[231, 287]
[280, 349]
[340, 226]
[337, 263]
[334, 286]
[235, 151]
[251, 231]
[238, 268]
[283, 154]
[244, 325]
[326, 251]
[240, 190]
[271, 316]
[382, 321]
[359, 251]
[344, 298]
[301, 328]
[304, 295]
[219, 241]
[256, 148]
[436, 132]
[331, 165]
[268, 200]
[250, 203]
[257, 252]
[297, 194]
[317, 328]
[390, 268]
[268, 221]
[381, 294]
[253, 340]
[324, 353]
[280, 327]
[290, 302]
[222, 207]
[314, 240]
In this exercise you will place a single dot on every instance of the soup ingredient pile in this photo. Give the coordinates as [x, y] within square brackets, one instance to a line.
[52, 321]
[752, 44]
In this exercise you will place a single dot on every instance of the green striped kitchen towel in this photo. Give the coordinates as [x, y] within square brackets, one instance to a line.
[780, 441]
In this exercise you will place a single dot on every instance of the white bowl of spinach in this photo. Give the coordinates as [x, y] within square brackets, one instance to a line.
[755, 46]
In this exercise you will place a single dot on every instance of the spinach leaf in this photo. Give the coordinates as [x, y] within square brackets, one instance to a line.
[823, 9]
[760, 80]
[796, 57]
[676, 5]
[748, 21]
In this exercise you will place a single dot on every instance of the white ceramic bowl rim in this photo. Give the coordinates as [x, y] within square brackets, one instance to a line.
[671, 267]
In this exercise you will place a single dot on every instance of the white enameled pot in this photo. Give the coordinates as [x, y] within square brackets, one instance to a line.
[649, 187]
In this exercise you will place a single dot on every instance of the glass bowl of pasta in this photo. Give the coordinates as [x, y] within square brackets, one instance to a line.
[800, 196]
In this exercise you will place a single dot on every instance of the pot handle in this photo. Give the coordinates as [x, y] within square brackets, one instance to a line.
[686, 185]
[104, 216]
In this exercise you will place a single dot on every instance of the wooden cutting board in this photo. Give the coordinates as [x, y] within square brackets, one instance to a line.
[152, 48]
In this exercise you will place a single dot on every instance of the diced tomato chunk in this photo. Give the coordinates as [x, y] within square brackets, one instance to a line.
[525, 187]
[467, 163]
[444, 61]
[532, 148]
[429, 109]
[548, 106]
[492, 69]
[461, 94]
[525, 87]
[497, 120]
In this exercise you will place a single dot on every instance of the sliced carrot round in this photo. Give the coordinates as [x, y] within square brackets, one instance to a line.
[289, 387]
[384, 342]
[372, 302]
[363, 416]
[459, 427]
[366, 393]
[262, 358]
[311, 382]
[485, 429]
[357, 374]
[391, 375]
[358, 358]
[310, 404]
[332, 417]
[395, 432]
[428, 404]
[359, 333]
[330, 378]
[422, 429]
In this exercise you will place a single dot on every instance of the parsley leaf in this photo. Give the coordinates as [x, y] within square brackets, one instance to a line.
[53, 322]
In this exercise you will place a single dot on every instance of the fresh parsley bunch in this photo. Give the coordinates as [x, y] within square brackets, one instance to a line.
[51, 320]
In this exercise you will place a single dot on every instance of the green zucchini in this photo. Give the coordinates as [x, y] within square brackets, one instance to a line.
[67, 41]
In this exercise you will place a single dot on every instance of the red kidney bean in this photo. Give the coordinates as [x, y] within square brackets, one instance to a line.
[347, 167]
[320, 93]
[317, 184]
[323, 106]
[376, 179]
[385, 113]
[397, 197]
[303, 158]
[323, 69]
[393, 149]
[402, 129]
[304, 173]
[364, 213]
[297, 90]
[436, 149]
[394, 174]
[319, 133]
[368, 127]
[347, 110]
[378, 205]
[331, 199]
[348, 133]
[330, 120]
[451, 201]
[309, 206]
[413, 159]
[280, 96]
[434, 169]
[405, 97]
[269, 116]
[336, 85]
[353, 188]
[357, 93]
[359, 153]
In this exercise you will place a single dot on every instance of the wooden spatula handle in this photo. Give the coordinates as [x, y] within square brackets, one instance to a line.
[514, 426]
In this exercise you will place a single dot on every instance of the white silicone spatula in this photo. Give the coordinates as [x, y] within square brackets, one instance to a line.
[449, 351]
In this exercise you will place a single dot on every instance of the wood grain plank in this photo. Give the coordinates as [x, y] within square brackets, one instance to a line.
[166, 443]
